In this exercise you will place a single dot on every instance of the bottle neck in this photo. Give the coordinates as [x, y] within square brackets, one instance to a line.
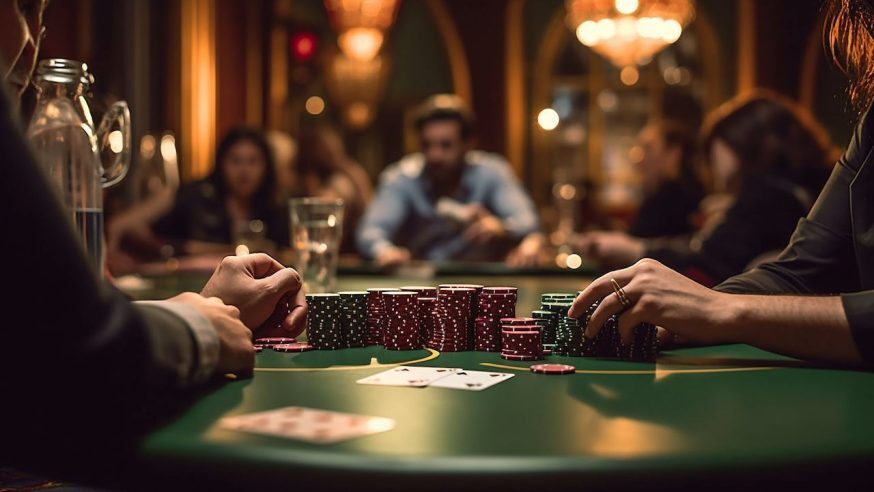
[73, 91]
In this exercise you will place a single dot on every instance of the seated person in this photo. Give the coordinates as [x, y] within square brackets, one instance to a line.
[671, 188]
[326, 170]
[106, 364]
[816, 301]
[448, 202]
[236, 204]
[771, 158]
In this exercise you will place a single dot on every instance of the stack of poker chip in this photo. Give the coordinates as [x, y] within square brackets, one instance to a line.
[353, 318]
[427, 297]
[376, 314]
[427, 318]
[644, 345]
[471, 321]
[324, 331]
[548, 323]
[521, 339]
[401, 326]
[494, 303]
[452, 318]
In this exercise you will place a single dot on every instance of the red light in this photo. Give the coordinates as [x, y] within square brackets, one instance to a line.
[303, 46]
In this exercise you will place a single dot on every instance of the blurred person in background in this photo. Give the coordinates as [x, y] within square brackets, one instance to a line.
[771, 159]
[449, 201]
[326, 170]
[118, 363]
[235, 205]
[285, 150]
[672, 190]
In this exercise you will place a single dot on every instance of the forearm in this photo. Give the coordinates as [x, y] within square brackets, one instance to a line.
[804, 327]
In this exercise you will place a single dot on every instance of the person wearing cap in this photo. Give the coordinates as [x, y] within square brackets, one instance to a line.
[449, 201]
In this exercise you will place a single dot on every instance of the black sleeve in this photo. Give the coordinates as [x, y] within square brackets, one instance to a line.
[75, 356]
[761, 220]
[820, 258]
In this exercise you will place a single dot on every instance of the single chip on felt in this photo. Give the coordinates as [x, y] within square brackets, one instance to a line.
[553, 369]
[293, 347]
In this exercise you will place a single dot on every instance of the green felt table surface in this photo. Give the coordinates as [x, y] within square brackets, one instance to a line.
[714, 412]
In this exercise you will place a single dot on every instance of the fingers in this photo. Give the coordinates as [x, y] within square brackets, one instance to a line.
[609, 306]
[602, 287]
[282, 282]
[629, 320]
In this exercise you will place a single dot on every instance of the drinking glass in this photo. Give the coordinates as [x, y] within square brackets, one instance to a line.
[316, 232]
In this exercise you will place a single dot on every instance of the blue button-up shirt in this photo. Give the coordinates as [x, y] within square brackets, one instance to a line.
[404, 211]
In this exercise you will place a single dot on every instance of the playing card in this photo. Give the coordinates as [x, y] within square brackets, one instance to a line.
[308, 424]
[471, 380]
[408, 376]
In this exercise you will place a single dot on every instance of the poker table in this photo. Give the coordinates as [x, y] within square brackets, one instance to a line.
[723, 417]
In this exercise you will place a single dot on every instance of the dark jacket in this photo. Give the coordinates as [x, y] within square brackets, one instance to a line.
[832, 249]
[200, 214]
[760, 221]
[78, 360]
[668, 211]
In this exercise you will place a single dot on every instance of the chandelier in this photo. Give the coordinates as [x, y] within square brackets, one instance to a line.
[361, 25]
[629, 32]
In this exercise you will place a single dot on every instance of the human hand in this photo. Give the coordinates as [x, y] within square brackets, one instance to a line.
[392, 256]
[527, 254]
[484, 226]
[610, 249]
[236, 353]
[268, 295]
[660, 296]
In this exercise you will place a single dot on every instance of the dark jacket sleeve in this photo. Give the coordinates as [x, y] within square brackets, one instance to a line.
[75, 356]
[820, 258]
[761, 220]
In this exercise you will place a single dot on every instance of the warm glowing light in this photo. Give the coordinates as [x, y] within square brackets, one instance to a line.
[561, 260]
[567, 191]
[360, 43]
[116, 141]
[574, 261]
[147, 147]
[671, 30]
[548, 119]
[358, 114]
[304, 46]
[629, 32]
[629, 75]
[168, 148]
[587, 33]
[241, 250]
[626, 6]
[314, 105]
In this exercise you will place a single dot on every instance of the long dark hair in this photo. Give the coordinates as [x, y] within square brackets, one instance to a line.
[772, 136]
[263, 202]
[849, 37]
[676, 135]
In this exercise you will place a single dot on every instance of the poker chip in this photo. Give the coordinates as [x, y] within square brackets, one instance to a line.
[495, 303]
[401, 329]
[553, 369]
[454, 319]
[324, 331]
[353, 318]
[376, 314]
[269, 342]
[293, 347]
[569, 337]
[258, 348]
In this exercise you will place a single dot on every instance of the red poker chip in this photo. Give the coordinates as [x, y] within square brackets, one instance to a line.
[293, 347]
[273, 341]
[259, 348]
[553, 369]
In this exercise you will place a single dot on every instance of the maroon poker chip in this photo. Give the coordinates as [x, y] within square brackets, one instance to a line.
[258, 348]
[293, 347]
[519, 357]
[553, 369]
[269, 342]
